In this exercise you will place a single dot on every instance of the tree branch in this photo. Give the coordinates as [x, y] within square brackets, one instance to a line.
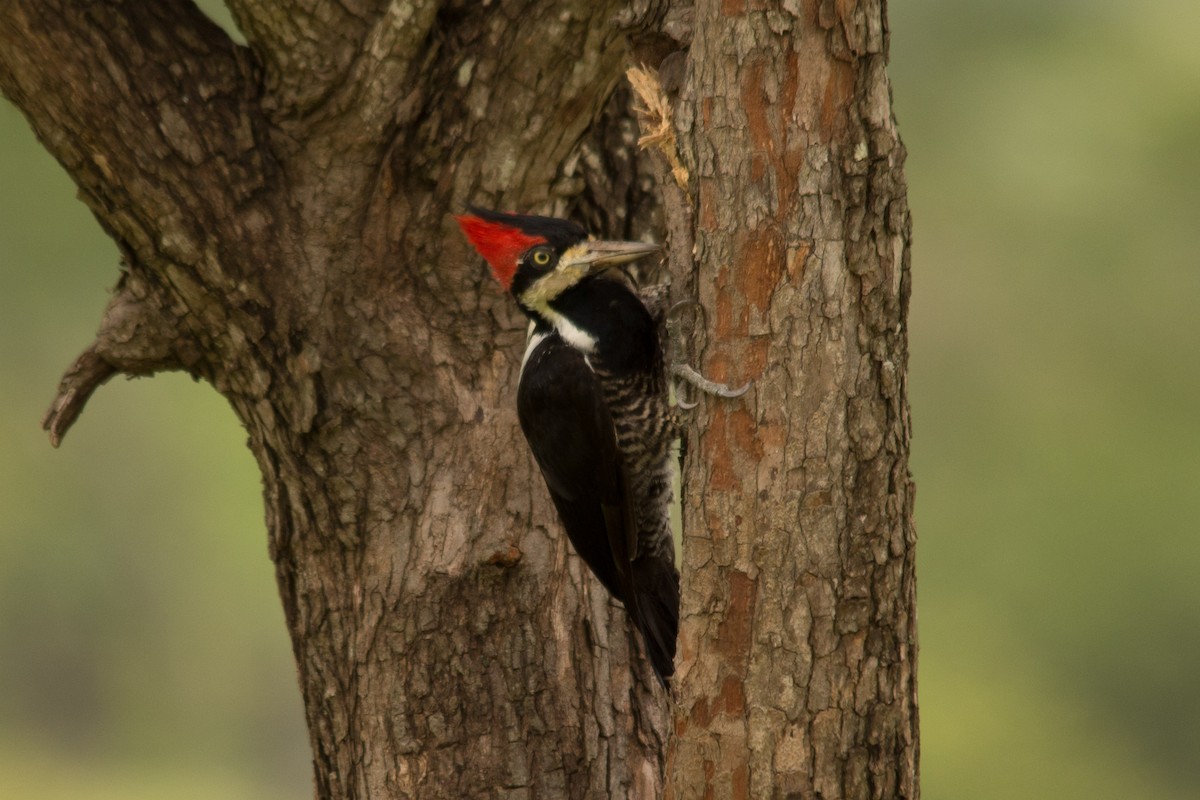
[385, 59]
[149, 106]
[305, 47]
[324, 59]
[135, 337]
[88, 372]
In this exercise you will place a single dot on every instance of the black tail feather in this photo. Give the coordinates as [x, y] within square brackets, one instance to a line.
[656, 582]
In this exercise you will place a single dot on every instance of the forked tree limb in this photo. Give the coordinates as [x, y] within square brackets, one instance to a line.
[295, 244]
[283, 209]
[323, 60]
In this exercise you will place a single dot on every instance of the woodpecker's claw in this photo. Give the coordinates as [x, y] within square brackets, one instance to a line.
[685, 372]
[682, 304]
[704, 384]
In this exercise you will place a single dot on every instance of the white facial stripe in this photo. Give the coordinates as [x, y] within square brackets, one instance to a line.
[553, 284]
[571, 253]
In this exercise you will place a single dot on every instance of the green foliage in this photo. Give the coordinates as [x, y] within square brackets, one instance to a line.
[1052, 176]
[1053, 171]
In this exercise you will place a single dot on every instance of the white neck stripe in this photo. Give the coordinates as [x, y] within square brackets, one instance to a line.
[534, 338]
[573, 335]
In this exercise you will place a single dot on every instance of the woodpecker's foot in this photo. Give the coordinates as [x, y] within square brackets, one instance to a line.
[680, 369]
[686, 373]
[683, 305]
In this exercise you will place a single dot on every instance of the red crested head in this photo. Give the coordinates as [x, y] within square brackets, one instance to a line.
[500, 244]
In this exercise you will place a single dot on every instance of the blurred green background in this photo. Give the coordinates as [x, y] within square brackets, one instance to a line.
[1054, 178]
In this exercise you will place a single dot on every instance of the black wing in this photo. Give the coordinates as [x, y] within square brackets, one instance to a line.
[570, 431]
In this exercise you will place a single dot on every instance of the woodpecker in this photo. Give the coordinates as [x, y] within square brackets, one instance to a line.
[593, 404]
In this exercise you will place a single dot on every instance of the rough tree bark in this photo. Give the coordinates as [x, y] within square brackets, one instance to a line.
[798, 673]
[283, 214]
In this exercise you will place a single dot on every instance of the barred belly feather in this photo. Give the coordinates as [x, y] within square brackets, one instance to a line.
[646, 428]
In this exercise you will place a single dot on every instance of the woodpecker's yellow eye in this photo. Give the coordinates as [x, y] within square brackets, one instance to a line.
[541, 258]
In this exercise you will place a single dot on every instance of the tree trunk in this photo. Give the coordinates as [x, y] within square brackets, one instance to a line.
[283, 213]
[798, 667]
